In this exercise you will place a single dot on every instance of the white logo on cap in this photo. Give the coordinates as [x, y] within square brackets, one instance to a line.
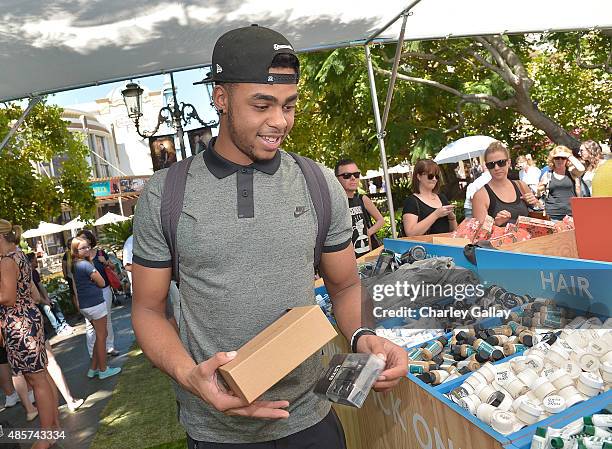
[279, 46]
[219, 69]
[270, 79]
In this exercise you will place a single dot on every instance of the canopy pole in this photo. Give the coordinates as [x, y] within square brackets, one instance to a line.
[396, 61]
[391, 22]
[381, 140]
[33, 102]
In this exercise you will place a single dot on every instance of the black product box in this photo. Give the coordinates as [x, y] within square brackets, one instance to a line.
[349, 378]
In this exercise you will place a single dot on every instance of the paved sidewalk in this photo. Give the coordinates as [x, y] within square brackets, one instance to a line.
[71, 354]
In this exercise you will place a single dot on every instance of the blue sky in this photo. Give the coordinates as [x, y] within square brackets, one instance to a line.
[186, 92]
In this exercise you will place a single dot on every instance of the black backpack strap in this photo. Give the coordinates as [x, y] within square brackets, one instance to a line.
[171, 205]
[321, 199]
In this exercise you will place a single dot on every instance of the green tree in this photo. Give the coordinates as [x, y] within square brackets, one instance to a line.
[28, 196]
[529, 89]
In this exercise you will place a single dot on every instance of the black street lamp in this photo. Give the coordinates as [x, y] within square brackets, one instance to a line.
[174, 114]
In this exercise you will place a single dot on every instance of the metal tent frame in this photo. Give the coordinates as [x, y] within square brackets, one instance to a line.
[381, 123]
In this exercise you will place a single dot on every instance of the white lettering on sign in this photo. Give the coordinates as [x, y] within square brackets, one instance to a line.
[418, 423]
[577, 286]
[393, 410]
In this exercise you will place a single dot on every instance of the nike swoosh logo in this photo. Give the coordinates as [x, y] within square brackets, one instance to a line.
[299, 211]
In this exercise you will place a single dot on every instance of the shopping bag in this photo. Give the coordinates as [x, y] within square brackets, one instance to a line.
[113, 279]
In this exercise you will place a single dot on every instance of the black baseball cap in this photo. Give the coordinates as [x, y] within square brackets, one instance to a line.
[244, 55]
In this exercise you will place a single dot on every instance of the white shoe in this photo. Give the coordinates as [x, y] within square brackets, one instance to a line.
[11, 400]
[31, 396]
[75, 405]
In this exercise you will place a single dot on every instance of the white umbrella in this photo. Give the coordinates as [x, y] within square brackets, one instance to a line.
[464, 148]
[110, 218]
[372, 174]
[43, 228]
[400, 168]
[75, 224]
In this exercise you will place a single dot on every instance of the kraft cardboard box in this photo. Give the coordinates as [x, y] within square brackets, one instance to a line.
[276, 351]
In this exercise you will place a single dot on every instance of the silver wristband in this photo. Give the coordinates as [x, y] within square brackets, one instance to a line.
[358, 333]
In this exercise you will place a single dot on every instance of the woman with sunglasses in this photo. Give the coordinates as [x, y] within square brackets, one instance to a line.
[362, 209]
[501, 198]
[427, 211]
[89, 284]
[561, 182]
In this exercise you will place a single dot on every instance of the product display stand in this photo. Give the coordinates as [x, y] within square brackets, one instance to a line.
[417, 415]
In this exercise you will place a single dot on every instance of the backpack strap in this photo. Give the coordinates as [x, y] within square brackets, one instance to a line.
[171, 205]
[321, 199]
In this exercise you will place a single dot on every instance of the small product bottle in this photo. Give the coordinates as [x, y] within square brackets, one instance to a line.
[434, 348]
[482, 345]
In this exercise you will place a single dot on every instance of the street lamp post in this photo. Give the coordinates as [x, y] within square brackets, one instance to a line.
[177, 115]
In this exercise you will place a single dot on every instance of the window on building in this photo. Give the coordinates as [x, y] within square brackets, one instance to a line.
[100, 166]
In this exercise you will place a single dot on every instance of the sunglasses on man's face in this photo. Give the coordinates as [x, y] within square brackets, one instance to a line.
[355, 175]
[559, 158]
[500, 163]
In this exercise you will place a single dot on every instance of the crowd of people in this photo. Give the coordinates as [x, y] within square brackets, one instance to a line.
[496, 190]
[29, 372]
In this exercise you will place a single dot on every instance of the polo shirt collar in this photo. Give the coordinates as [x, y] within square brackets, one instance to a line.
[221, 167]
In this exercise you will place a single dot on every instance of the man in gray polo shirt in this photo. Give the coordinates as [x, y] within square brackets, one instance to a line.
[246, 237]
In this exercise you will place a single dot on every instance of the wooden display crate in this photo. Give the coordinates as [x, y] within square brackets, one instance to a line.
[562, 244]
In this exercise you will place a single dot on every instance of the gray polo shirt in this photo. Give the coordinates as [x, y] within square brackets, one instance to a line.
[246, 239]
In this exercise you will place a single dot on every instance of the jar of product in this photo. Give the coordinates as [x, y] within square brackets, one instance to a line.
[470, 403]
[589, 362]
[557, 355]
[590, 384]
[516, 388]
[535, 361]
[505, 422]
[560, 379]
[529, 412]
[459, 393]
[504, 375]
[527, 376]
[519, 363]
[577, 340]
[500, 400]
[571, 395]
[476, 379]
[485, 392]
[572, 369]
[606, 372]
[553, 404]
[518, 401]
[488, 370]
[598, 348]
[542, 388]
[484, 412]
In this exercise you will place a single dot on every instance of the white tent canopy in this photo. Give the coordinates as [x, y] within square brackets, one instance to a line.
[44, 228]
[54, 45]
[463, 149]
[110, 218]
